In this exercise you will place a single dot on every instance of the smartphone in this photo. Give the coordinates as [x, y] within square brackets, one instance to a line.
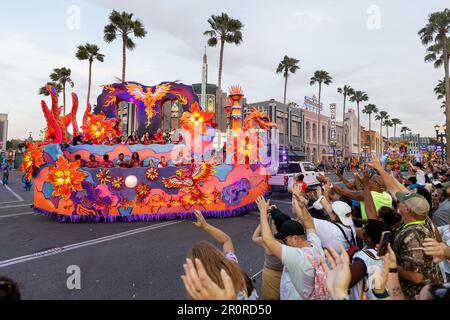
[385, 238]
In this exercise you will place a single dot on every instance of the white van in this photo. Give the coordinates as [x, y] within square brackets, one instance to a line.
[287, 173]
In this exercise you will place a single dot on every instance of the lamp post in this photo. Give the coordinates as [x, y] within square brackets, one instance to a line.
[440, 138]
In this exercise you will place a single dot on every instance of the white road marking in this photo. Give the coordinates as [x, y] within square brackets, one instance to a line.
[257, 274]
[14, 194]
[16, 215]
[74, 246]
[15, 206]
[15, 201]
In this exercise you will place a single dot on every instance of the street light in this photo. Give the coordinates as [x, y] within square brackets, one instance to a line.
[441, 136]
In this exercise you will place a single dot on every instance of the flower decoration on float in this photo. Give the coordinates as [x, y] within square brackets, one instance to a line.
[103, 176]
[66, 177]
[33, 159]
[142, 190]
[117, 183]
[196, 118]
[98, 128]
[152, 174]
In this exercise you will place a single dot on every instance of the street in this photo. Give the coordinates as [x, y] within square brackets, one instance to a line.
[117, 261]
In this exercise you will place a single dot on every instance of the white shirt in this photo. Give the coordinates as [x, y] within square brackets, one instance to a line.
[420, 177]
[297, 279]
[363, 289]
[331, 236]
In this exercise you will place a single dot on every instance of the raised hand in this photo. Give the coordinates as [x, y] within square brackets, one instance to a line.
[376, 164]
[201, 222]
[263, 205]
[338, 276]
[200, 286]
[322, 179]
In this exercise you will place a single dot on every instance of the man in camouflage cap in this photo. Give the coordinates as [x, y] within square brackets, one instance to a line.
[414, 267]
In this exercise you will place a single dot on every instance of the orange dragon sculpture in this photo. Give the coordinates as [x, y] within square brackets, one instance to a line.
[56, 124]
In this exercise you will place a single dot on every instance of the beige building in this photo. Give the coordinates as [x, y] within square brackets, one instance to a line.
[312, 133]
[370, 142]
[3, 131]
[350, 130]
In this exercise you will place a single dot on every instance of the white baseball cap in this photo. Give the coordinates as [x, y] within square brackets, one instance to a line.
[343, 211]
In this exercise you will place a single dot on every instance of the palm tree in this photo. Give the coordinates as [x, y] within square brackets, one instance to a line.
[404, 130]
[388, 123]
[122, 25]
[346, 91]
[223, 29]
[320, 76]
[286, 66]
[359, 96]
[439, 90]
[381, 117]
[89, 52]
[435, 33]
[43, 91]
[62, 76]
[396, 122]
[369, 109]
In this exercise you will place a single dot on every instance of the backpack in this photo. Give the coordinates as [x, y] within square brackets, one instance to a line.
[353, 247]
[320, 291]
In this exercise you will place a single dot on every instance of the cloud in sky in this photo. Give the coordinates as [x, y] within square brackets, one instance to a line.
[387, 62]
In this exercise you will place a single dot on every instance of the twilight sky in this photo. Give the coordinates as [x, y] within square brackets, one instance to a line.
[371, 45]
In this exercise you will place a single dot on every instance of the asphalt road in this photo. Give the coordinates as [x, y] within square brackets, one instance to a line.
[141, 260]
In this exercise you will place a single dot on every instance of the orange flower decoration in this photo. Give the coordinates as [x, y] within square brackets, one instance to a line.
[196, 117]
[117, 183]
[98, 128]
[152, 174]
[142, 190]
[103, 176]
[66, 177]
[32, 160]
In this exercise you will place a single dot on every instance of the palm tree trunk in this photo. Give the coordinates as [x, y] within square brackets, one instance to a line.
[370, 137]
[359, 130]
[222, 45]
[395, 131]
[64, 97]
[387, 133]
[318, 124]
[89, 83]
[447, 91]
[124, 56]
[285, 87]
[343, 127]
[381, 136]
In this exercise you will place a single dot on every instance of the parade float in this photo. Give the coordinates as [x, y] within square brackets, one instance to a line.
[398, 153]
[65, 190]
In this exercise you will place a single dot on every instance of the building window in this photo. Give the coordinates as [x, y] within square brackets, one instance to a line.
[296, 128]
[314, 133]
[308, 131]
[211, 103]
[280, 124]
[324, 135]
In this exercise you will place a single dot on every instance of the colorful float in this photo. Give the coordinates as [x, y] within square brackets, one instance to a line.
[65, 190]
[398, 153]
